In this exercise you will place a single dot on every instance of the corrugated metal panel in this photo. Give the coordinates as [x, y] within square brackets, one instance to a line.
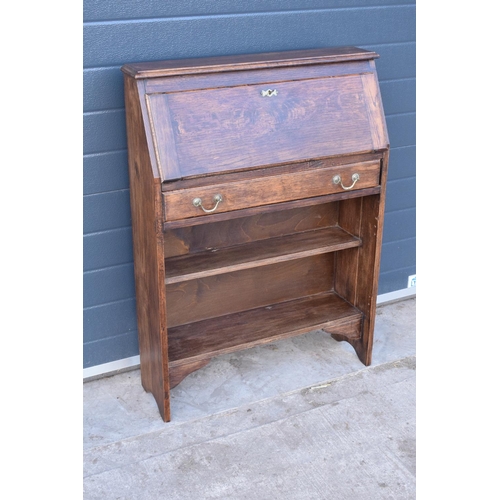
[119, 32]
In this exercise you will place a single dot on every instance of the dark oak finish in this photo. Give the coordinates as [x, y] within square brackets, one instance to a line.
[287, 250]
[269, 171]
[256, 76]
[312, 118]
[149, 269]
[258, 253]
[233, 232]
[217, 295]
[245, 62]
[179, 371]
[269, 190]
[265, 209]
[224, 334]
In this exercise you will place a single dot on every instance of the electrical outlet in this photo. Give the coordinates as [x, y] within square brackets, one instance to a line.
[412, 280]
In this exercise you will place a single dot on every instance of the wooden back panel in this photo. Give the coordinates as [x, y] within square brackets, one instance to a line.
[227, 293]
[258, 227]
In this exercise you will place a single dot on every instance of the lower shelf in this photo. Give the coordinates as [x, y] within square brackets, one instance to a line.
[204, 339]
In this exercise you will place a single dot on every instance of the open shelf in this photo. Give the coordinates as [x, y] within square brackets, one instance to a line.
[201, 340]
[257, 253]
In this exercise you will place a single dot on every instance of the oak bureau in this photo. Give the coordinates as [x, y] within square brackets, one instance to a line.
[257, 186]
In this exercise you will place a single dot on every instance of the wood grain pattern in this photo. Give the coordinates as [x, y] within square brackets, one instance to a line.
[243, 62]
[259, 227]
[376, 115]
[241, 129]
[369, 262]
[287, 250]
[269, 190]
[226, 293]
[221, 335]
[357, 270]
[258, 253]
[180, 371]
[163, 137]
[269, 171]
[349, 331]
[356, 275]
[345, 277]
[266, 209]
[263, 76]
[149, 271]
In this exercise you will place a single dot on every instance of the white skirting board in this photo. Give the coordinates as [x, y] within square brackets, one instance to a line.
[133, 362]
[112, 368]
[405, 293]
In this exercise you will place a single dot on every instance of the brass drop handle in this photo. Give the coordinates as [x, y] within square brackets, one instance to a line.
[338, 180]
[198, 203]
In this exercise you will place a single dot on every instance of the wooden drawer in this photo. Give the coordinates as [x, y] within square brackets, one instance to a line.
[238, 195]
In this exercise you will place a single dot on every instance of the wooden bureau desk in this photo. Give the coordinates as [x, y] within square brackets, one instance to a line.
[257, 187]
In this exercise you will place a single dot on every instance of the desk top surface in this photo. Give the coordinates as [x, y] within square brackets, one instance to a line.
[155, 69]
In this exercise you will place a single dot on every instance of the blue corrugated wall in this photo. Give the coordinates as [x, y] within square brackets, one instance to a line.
[130, 31]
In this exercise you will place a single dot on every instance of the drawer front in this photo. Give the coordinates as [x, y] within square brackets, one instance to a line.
[218, 130]
[238, 195]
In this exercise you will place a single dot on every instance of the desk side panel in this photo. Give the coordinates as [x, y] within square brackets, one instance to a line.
[357, 269]
[149, 271]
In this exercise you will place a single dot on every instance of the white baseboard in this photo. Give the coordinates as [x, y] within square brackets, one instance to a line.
[133, 362]
[405, 293]
[112, 368]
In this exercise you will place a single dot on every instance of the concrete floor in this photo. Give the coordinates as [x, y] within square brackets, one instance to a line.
[298, 419]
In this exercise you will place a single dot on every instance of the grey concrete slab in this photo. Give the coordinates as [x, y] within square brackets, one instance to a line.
[254, 426]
